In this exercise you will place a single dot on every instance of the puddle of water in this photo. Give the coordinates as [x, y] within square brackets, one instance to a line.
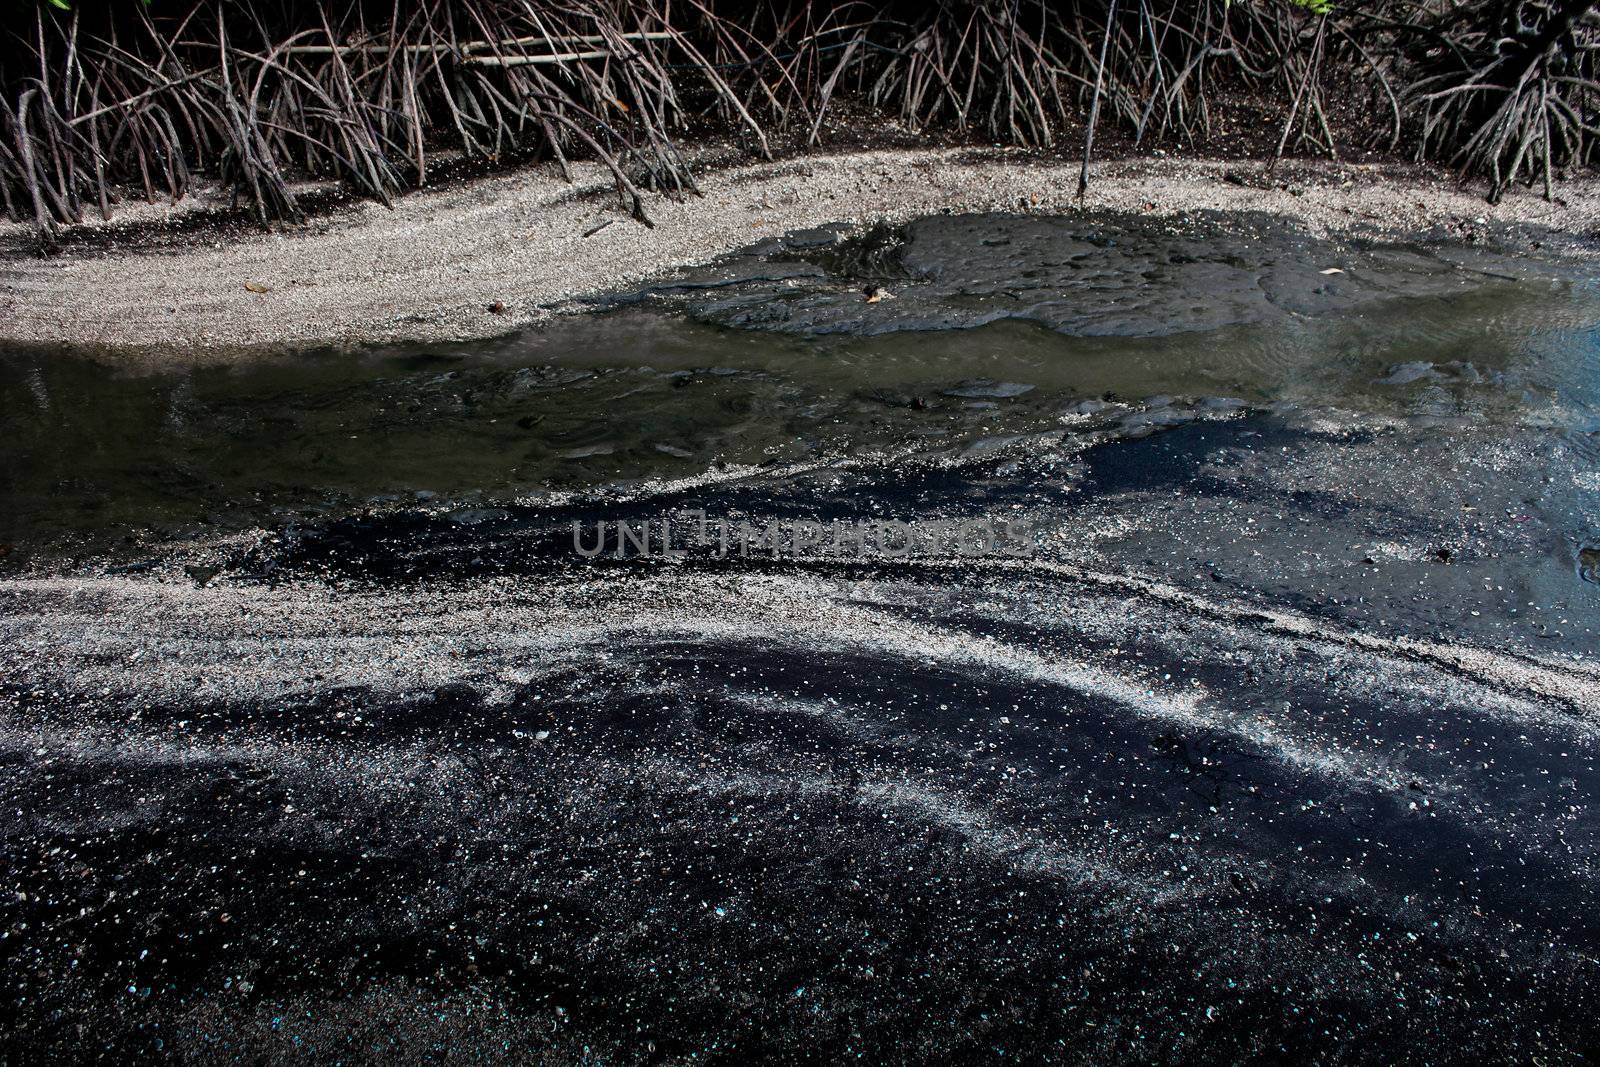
[647, 393]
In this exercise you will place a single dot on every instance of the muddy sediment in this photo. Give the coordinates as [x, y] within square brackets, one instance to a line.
[327, 739]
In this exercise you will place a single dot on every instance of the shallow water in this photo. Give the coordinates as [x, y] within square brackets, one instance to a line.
[1278, 742]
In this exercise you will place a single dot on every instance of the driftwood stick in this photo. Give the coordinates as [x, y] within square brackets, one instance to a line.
[590, 38]
[471, 46]
[528, 61]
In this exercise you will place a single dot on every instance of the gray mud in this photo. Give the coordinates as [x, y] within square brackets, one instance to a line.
[1102, 275]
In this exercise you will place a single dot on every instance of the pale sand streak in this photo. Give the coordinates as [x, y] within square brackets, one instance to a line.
[428, 270]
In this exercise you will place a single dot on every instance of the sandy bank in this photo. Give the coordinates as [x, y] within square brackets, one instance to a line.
[430, 269]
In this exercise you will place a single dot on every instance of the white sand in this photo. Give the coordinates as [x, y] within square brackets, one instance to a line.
[429, 269]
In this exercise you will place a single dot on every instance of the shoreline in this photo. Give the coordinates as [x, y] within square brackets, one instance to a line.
[429, 270]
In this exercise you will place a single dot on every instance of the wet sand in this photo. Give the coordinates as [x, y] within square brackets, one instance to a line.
[431, 269]
[325, 743]
[393, 786]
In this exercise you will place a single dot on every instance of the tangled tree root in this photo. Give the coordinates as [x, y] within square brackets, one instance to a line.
[103, 97]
